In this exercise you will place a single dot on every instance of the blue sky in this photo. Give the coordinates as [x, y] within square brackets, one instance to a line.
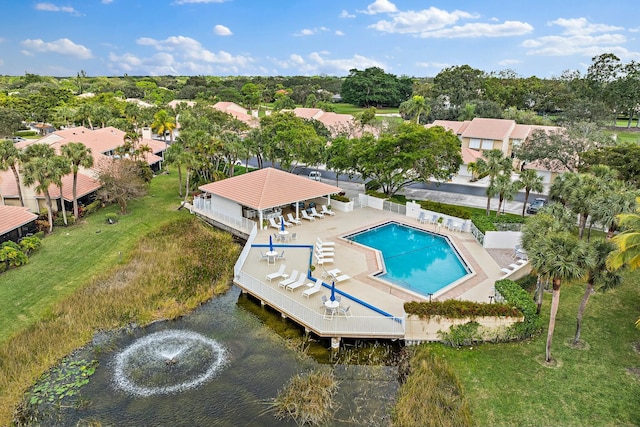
[306, 37]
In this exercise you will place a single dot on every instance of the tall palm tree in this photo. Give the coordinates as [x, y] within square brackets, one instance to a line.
[493, 164]
[562, 257]
[10, 157]
[78, 155]
[505, 189]
[598, 275]
[628, 241]
[60, 167]
[175, 156]
[163, 122]
[414, 108]
[530, 181]
[607, 205]
[40, 169]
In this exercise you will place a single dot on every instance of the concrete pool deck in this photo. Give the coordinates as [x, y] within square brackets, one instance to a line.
[360, 263]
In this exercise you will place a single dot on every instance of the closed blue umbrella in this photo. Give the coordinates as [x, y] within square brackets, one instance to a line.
[333, 291]
[281, 223]
[270, 243]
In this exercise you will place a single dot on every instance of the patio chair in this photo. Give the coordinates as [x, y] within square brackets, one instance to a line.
[286, 224]
[306, 216]
[321, 259]
[346, 311]
[263, 257]
[338, 298]
[325, 243]
[289, 280]
[422, 217]
[323, 250]
[277, 274]
[449, 224]
[316, 288]
[515, 251]
[294, 236]
[315, 213]
[434, 219]
[272, 223]
[293, 220]
[330, 273]
[280, 256]
[295, 285]
[324, 299]
[326, 211]
[506, 270]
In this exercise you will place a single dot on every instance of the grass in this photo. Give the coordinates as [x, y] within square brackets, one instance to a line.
[70, 257]
[509, 384]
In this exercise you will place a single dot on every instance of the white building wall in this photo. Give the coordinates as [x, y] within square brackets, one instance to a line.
[231, 208]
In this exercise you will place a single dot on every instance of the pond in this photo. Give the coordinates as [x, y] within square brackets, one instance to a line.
[221, 366]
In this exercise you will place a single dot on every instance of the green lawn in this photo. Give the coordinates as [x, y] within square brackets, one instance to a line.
[508, 385]
[27, 292]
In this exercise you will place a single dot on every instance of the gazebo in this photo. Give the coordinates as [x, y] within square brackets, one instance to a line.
[263, 192]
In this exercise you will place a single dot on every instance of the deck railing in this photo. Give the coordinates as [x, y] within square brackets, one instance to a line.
[245, 251]
[203, 206]
[313, 317]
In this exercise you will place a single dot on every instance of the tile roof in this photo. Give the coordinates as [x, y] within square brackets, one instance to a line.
[238, 112]
[470, 155]
[86, 185]
[12, 217]
[8, 186]
[496, 129]
[454, 126]
[268, 188]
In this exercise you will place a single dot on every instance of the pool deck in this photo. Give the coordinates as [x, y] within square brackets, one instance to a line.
[361, 263]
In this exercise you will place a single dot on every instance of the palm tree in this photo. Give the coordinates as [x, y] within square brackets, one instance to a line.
[627, 242]
[414, 108]
[10, 156]
[598, 275]
[493, 164]
[175, 156]
[78, 155]
[505, 189]
[40, 169]
[608, 204]
[562, 257]
[163, 123]
[531, 181]
[60, 167]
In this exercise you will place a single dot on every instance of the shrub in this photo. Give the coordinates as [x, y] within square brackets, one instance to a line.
[111, 217]
[515, 295]
[340, 198]
[308, 398]
[12, 255]
[372, 185]
[92, 207]
[376, 194]
[58, 220]
[443, 208]
[42, 225]
[44, 214]
[463, 335]
[30, 244]
[483, 223]
[455, 309]
[26, 133]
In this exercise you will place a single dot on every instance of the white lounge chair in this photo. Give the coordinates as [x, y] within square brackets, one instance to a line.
[306, 216]
[316, 288]
[315, 213]
[293, 220]
[326, 211]
[277, 274]
[323, 259]
[289, 280]
[272, 223]
[325, 243]
[295, 285]
[506, 270]
[330, 273]
[324, 250]
[342, 278]
[286, 224]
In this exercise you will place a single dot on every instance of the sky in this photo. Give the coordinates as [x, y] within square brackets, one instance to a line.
[415, 38]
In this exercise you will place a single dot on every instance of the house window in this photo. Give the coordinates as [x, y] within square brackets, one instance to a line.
[516, 142]
[474, 143]
[487, 144]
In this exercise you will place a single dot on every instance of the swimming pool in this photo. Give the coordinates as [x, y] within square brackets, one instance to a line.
[417, 260]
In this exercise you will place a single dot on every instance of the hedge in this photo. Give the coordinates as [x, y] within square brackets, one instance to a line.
[519, 298]
[455, 309]
[443, 208]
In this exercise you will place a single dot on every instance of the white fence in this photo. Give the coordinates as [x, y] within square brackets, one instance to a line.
[204, 207]
[339, 326]
[237, 268]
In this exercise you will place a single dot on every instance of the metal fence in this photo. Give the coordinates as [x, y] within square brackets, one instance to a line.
[479, 236]
[394, 207]
[314, 319]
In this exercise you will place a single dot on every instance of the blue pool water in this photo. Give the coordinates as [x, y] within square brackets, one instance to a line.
[417, 260]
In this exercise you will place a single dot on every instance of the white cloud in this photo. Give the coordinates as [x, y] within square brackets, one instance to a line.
[318, 63]
[579, 37]
[107, 1]
[305, 32]
[339, 33]
[438, 65]
[198, 1]
[509, 62]
[50, 7]
[221, 30]
[380, 6]
[345, 14]
[61, 46]
[475, 30]
[412, 22]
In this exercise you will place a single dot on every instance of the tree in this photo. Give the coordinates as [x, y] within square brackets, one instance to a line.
[121, 182]
[530, 181]
[559, 255]
[627, 242]
[174, 155]
[375, 88]
[340, 158]
[78, 155]
[607, 205]
[163, 123]
[40, 169]
[252, 95]
[459, 84]
[623, 157]
[505, 189]
[60, 167]
[411, 154]
[10, 121]
[493, 164]
[414, 108]
[598, 275]
[10, 157]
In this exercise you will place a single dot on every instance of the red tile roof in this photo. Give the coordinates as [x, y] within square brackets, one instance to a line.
[496, 129]
[86, 185]
[12, 217]
[268, 188]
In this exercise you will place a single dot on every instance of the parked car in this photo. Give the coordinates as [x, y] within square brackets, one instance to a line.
[18, 139]
[536, 205]
[315, 175]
